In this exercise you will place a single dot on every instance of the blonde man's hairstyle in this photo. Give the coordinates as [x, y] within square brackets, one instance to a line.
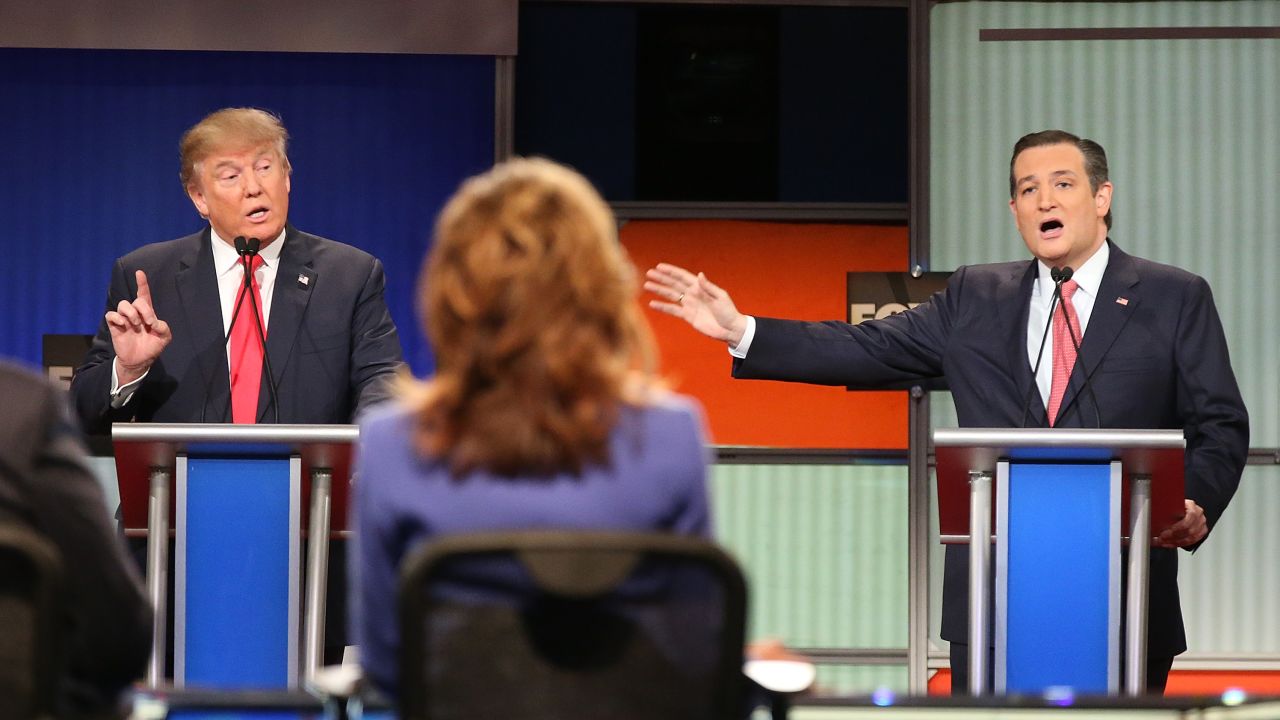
[230, 129]
[530, 304]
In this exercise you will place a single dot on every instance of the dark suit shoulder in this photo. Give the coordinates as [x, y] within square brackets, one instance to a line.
[998, 270]
[973, 285]
[1152, 270]
[19, 383]
[330, 251]
[1157, 279]
[29, 402]
[157, 253]
[990, 273]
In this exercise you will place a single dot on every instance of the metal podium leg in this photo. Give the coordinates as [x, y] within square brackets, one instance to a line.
[317, 573]
[1136, 612]
[158, 570]
[979, 571]
[918, 544]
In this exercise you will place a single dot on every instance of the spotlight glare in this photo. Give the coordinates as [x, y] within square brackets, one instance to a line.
[1233, 696]
[1060, 695]
[882, 697]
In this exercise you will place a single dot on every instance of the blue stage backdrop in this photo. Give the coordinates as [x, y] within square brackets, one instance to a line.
[91, 163]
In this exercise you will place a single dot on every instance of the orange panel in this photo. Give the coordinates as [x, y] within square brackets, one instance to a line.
[774, 270]
[939, 683]
[1205, 682]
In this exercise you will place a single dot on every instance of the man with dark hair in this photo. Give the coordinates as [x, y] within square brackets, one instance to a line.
[1150, 342]
[46, 486]
[1095, 159]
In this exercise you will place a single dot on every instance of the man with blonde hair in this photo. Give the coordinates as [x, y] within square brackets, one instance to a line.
[179, 341]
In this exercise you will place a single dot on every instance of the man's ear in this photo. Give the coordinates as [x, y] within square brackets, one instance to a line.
[197, 199]
[1102, 198]
[1013, 209]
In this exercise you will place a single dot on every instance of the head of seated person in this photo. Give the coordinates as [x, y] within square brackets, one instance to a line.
[529, 302]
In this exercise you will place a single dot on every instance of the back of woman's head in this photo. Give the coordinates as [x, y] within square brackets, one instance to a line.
[529, 302]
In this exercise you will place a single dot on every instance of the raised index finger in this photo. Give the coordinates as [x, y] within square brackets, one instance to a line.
[143, 302]
[144, 287]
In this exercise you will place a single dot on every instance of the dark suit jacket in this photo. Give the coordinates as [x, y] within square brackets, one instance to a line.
[45, 485]
[330, 340]
[1158, 361]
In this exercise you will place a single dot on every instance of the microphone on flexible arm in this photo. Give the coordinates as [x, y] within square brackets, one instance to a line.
[251, 248]
[1056, 275]
[1071, 332]
[242, 247]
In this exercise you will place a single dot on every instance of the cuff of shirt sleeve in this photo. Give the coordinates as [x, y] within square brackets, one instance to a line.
[740, 350]
[120, 395]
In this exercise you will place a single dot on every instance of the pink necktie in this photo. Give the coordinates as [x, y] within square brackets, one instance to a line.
[246, 354]
[1064, 350]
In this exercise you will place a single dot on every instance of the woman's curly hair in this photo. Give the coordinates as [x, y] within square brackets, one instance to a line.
[529, 301]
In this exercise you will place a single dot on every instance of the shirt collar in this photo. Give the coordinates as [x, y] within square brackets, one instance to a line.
[1088, 276]
[225, 258]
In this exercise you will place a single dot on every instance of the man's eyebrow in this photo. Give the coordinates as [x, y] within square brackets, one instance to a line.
[1054, 174]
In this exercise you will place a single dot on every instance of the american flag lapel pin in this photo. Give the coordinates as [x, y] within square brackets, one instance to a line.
[1122, 301]
[303, 281]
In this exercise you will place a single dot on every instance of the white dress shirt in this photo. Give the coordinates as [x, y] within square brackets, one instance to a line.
[226, 263]
[1088, 277]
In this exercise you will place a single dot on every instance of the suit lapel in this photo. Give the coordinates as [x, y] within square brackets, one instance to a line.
[1013, 302]
[1118, 297]
[295, 279]
[196, 283]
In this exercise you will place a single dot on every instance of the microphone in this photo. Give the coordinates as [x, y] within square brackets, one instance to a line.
[1065, 275]
[251, 248]
[1056, 275]
[246, 249]
[241, 247]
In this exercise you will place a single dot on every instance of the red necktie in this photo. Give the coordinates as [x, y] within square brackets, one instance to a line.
[246, 353]
[1064, 350]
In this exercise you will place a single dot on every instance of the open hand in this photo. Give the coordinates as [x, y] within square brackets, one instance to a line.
[137, 335]
[697, 301]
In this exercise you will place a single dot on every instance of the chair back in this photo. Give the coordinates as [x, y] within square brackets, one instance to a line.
[30, 622]
[543, 625]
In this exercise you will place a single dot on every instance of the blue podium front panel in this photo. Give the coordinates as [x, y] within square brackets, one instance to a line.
[236, 574]
[1058, 568]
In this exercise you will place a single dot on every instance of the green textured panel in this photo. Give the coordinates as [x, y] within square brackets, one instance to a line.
[1189, 126]
[1190, 129]
[825, 552]
[1230, 585]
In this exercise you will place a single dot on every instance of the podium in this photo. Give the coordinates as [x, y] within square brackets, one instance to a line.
[1060, 496]
[239, 497]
